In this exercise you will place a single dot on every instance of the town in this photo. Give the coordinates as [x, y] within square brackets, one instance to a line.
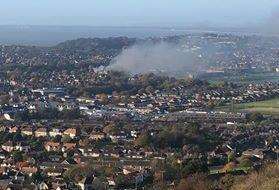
[67, 122]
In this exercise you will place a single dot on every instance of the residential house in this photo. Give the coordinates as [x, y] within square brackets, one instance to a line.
[55, 132]
[28, 131]
[55, 172]
[97, 136]
[22, 146]
[8, 146]
[258, 153]
[68, 146]
[43, 186]
[94, 153]
[69, 161]
[55, 158]
[29, 170]
[52, 146]
[13, 129]
[71, 132]
[59, 185]
[86, 183]
[41, 132]
[118, 137]
[111, 181]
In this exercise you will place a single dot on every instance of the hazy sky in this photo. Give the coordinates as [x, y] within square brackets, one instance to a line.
[135, 12]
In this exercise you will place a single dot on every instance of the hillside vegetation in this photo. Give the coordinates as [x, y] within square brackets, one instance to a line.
[266, 179]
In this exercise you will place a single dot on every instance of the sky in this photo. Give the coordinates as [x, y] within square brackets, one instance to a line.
[136, 12]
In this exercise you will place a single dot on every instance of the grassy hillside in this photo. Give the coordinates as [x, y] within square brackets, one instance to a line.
[267, 179]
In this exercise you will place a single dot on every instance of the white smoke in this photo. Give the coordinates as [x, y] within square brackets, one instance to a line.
[159, 57]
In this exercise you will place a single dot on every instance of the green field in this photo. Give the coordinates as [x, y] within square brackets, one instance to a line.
[256, 77]
[270, 107]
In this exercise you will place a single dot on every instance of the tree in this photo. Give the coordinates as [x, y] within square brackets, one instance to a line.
[70, 114]
[165, 170]
[217, 161]
[194, 128]
[111, 128]
[120, 181]
[37, 177]
[231, 157]
[144, 140]
[98, 184]
[4, 99]
[149, 89]
[36, 144]
[193, 166]
[66, 139]
[17, 137]
[17, 156]
[256, 117]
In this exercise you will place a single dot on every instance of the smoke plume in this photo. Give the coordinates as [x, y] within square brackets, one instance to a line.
[163, 57]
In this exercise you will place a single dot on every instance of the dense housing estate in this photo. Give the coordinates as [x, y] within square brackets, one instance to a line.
[66, 123]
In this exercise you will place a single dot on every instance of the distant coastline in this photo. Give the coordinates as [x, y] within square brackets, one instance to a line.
[52, 35]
